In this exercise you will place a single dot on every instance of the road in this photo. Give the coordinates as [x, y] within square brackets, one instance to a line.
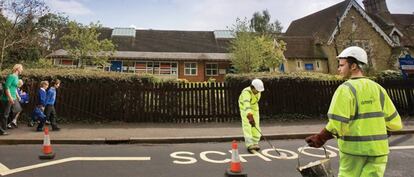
[179, 160]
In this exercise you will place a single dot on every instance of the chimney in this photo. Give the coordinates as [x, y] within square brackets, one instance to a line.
[375, 6]
[378, 8]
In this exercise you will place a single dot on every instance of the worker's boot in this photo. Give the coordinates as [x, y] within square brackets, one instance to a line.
[256, 147]
[251, 148]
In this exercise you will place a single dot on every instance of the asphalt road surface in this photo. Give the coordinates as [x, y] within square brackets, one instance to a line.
[181, 160]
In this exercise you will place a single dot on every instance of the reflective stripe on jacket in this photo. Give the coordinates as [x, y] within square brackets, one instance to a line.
[361, 128]
[248, 101]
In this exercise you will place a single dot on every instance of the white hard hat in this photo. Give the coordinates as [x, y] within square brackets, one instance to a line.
[258, 85]
[355, 52]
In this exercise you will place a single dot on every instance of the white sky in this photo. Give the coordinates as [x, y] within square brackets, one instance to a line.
[195, 14]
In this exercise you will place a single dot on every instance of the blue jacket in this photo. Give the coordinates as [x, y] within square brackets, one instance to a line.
[51, 96]
[24, 98]
[42, 97]
[38, 114]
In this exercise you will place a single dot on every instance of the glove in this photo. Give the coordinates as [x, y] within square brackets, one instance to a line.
[251, 120]
[320, 139]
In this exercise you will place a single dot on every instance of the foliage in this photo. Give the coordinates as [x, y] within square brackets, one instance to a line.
[271, 56]
[23, 54]
[211, 80]
[50, 28]
[245, 51]
[255, 47]
[280, 76]
[260, 23]
[389, 75]
[74, 74]
[18, 24]
[82, 44]
[41, 63]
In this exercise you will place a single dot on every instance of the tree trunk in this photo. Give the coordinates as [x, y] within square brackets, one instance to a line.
[3, 47]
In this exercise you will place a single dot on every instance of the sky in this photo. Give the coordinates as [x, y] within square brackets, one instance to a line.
[198, 15]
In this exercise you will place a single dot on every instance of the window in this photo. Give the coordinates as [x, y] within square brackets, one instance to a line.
[298, 64]
[167, 68]
[309, 66]
[211, 69]
[67, 62]
[396, 38]
[128, 67]
[190, 69]
[161, 68]
[317, 64]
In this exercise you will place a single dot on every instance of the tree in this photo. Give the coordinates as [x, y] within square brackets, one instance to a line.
[244, 49]
[271, 52]
[250, 52]
[51, 28]
[260, 23]
[82, 44]
[18, 27]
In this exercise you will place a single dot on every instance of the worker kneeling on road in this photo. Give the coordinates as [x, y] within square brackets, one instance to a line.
[360, 115]
[249, 112]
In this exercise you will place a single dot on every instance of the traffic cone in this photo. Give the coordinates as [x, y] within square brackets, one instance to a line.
[235, 164]
[47, 147]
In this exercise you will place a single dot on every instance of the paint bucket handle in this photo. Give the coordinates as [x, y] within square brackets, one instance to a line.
[324, 149]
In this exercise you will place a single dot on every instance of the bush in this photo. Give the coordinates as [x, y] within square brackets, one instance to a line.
[281, 76]
[389, 75]
[41, 63]
[71, 75]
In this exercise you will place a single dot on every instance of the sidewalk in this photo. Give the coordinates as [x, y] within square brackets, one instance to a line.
[113, 133]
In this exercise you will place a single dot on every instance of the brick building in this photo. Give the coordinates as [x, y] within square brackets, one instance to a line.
[192, 55]
[313, 42]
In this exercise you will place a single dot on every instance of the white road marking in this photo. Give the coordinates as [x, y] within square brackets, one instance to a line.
[203, 155]
[70, 159]
[255, 153]
[287, 154]
[302, 150]
[3, 168]
[401, 147]
[334, 148]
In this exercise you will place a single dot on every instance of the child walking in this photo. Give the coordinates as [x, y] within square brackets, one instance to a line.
[50, 105]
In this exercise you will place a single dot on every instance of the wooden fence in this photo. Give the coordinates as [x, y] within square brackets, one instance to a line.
[200, 102]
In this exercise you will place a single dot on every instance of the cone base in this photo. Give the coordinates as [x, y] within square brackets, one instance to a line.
[47, 156]
[232, 174]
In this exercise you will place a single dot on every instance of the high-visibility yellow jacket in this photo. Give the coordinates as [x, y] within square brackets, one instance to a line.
[360, 114]
[249, 102]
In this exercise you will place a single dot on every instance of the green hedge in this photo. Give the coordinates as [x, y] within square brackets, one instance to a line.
[297, 76]
[68, 74]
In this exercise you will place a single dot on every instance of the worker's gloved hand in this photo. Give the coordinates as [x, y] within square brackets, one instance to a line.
[389, 133]
[251, 120]
[320, 139]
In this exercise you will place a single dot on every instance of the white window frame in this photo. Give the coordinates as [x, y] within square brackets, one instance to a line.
[212, 69]
[190, 68]
[396, 38]
[151, 69]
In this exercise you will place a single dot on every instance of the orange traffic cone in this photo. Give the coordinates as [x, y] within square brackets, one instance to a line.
[47, 147]
[235, 164]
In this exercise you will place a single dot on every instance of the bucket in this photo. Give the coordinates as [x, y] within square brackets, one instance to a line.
[320, 168]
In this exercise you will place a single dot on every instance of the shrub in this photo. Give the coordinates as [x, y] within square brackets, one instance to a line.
[389, 75]
[281, 76]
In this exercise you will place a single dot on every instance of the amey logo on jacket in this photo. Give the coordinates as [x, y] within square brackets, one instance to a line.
[368, 101]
